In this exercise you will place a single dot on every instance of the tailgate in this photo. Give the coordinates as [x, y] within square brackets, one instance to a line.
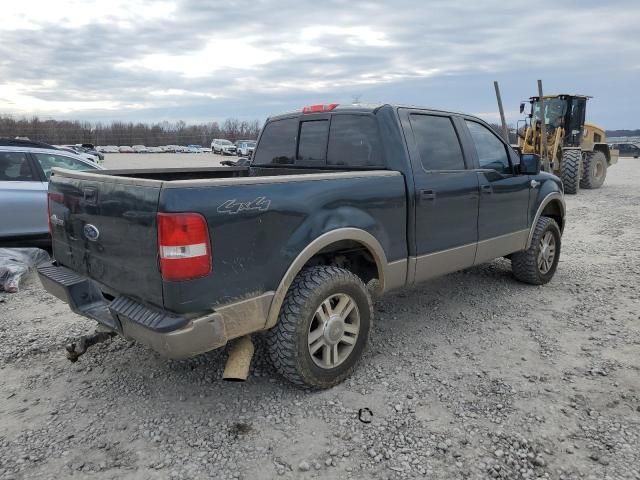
[104, 227]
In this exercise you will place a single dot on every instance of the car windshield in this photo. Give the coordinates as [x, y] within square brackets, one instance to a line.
[225, 142]
[251, 144]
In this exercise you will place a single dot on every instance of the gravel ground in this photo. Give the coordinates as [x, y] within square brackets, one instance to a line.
[472, 375]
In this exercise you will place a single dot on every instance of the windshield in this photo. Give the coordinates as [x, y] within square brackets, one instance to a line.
[251, 144]
[225, 142]
[554, 111]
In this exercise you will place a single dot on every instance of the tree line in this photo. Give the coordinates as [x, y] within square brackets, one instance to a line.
[64, 132]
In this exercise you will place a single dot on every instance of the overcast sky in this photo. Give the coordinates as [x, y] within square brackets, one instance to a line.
[202, 60]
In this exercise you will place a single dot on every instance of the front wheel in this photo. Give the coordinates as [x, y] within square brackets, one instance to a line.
[323, 327]
[538, 263]
[595, 170]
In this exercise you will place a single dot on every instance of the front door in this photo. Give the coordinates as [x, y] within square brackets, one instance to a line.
[446, 195]
[503, 224]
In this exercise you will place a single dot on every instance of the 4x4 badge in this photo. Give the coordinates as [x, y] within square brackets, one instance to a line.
[233, 206]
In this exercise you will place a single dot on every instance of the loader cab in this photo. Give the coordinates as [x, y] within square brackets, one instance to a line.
[562, 111]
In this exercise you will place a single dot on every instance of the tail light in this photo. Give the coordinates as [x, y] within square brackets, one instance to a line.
[319, 108]
[184, 246]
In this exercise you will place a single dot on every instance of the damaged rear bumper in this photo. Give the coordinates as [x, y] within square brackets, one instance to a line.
[171, 335]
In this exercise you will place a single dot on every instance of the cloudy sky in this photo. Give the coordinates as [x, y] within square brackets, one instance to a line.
[202, 60]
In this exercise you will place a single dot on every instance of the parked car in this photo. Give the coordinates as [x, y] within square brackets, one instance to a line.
[334, 198]
[155, 150]
[80, 151]
[246, 147]
[110, 149]
[627, 149]
[223, 147]
[194, 148]
[140, 149]
[89, 149]
[25, 167]
[125, 149]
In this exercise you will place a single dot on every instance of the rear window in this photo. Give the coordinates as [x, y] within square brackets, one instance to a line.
[312, 148]
[437, 142]
[354, 142]
[14, 167]
[278, 143]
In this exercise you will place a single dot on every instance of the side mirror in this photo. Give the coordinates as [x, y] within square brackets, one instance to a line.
[521, 107]
[530, 164]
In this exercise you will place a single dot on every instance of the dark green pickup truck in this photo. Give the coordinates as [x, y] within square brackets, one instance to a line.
[185, 260]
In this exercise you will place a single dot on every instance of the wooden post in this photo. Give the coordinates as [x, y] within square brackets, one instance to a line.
[543, 129]
[505, 131]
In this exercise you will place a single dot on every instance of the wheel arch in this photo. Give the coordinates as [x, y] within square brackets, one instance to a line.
[553, 206]
[389, 275]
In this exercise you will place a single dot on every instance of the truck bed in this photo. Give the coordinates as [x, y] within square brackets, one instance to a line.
[258, 223]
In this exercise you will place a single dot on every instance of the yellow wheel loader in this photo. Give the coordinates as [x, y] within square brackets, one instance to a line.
[575, 151]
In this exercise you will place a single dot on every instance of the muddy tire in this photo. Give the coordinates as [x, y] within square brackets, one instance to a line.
[570, 170]
[323, 327]
[594, 170]
[538, 263]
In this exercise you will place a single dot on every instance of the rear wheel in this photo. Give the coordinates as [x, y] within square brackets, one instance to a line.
[323, 327]
[538, 263]
[570, 170]
[595, 170]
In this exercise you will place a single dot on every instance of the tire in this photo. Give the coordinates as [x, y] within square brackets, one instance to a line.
[595, 170]
[303, 316]
[526, 265]
[570, 170]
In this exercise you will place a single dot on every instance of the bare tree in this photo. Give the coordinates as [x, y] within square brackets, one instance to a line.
[61, 132]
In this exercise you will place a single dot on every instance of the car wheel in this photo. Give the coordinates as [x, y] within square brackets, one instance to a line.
[539, 262]
[323, 327]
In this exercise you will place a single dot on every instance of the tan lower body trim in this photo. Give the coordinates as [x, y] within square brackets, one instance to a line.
[499, 246]
[446, 261]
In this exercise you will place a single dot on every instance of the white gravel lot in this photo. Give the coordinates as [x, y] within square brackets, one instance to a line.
[472, 375]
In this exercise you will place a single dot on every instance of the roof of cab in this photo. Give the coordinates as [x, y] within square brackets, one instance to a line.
[362, 108]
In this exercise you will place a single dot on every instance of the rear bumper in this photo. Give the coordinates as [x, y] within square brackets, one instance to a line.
[172, 336]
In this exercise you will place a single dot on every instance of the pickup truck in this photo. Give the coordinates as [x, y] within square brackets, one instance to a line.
[338, 201]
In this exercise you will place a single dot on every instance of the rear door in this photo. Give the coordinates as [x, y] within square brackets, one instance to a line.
[503, 223]
[105, 228]
[23, 197]
[446, 195]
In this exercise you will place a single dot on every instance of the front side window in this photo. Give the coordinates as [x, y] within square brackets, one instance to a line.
[313, 142]
[14, 167]
[48, 161]
[278, 143]
[437, 142]
[492, 153]
[354, 141]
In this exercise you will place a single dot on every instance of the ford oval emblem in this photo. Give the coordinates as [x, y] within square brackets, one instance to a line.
[91, 232]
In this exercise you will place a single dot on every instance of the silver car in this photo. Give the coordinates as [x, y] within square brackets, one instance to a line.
[25, 168]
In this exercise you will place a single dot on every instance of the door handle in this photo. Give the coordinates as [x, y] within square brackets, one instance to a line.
[534, 184]
[428, 194]
[486, 189]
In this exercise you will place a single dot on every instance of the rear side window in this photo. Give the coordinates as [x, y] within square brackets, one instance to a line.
[48, 161]
[278, 143]
[492, 153]
[14, 167]
[354, 142]
[437, 142]
[313, 142]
